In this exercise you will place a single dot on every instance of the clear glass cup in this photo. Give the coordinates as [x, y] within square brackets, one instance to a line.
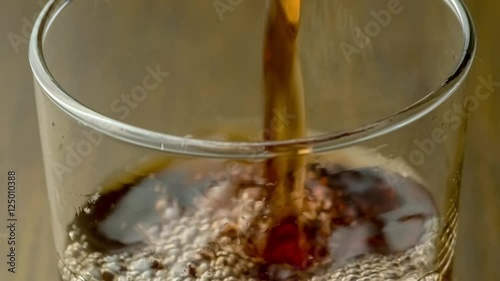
[151, 115]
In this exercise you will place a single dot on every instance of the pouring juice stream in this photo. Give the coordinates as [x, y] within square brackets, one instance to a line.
[284, 92]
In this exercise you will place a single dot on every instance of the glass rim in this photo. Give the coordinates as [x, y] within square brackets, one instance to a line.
[226, 149]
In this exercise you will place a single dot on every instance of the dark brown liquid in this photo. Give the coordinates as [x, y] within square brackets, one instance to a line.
[348, 214]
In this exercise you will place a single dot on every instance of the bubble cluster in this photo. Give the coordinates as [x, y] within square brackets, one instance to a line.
[210, 242]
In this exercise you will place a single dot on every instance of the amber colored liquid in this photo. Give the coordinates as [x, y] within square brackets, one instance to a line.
[284, 92]
[203, 220]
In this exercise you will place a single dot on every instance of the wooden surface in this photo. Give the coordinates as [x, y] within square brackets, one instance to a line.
[478, 255]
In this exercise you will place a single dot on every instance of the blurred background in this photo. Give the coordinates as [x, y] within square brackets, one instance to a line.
[479, 225]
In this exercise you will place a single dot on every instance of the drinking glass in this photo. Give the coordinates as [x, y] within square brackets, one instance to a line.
[151, 123]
